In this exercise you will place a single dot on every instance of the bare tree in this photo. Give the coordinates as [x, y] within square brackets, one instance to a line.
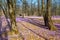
[47, 16]
[31, 8]
[24, 7]
[39, 14]
[12, 16]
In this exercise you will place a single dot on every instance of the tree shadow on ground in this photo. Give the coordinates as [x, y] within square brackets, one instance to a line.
[34, 22]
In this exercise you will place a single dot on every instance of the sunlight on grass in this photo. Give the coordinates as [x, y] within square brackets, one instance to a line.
[13, 37]
[27, 34]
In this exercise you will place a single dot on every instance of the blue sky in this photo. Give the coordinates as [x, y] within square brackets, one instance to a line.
[18, 1]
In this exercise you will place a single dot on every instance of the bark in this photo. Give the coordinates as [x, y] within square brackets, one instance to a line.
[24, 7]
[31, 8]
[39, 14]
[43, 6]
[12, 16]
[47, 17]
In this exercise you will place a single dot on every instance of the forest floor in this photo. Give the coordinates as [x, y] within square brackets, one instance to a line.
[32, 28]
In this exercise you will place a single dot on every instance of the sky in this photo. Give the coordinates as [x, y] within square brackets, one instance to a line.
[29, 1]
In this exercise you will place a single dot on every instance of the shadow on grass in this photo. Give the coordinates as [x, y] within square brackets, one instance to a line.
[34, 22]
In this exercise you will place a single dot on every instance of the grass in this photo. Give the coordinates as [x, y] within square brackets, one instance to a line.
[26, 34]
[40, 31]
[54, 21]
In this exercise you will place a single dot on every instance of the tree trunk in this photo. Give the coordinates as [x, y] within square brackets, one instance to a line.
[12, 16]
[47, 17]
[39, 14]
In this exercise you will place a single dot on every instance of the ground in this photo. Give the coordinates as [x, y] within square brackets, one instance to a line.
[32, 28]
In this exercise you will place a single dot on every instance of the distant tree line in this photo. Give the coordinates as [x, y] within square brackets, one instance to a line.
[31, 8]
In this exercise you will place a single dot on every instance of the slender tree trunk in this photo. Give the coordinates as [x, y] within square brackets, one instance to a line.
[39, 14]
[31, 8]
[43, 6]
[24, 7]
[47, 17]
